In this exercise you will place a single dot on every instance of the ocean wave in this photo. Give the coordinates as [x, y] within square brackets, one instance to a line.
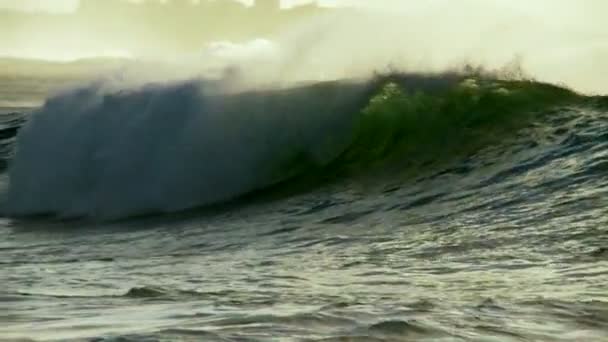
[107, 154]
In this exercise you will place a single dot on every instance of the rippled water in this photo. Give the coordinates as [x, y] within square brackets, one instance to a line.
[509, 244]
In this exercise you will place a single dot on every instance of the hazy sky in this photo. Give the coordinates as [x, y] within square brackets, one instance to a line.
[66, 5]
[549, 8]
[560, 40]
[593, 9]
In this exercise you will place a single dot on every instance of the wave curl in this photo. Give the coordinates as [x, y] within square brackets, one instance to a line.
[106, 154]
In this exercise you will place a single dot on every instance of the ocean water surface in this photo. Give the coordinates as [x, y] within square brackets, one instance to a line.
[406, 208]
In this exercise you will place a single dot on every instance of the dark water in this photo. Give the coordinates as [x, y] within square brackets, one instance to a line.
[506, 243]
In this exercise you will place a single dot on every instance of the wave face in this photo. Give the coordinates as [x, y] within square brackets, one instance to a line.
[108, 154]
[91, 152]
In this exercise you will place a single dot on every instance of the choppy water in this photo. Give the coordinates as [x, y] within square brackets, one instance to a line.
[508, 243]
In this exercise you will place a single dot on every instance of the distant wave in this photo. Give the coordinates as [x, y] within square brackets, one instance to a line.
[105, 154]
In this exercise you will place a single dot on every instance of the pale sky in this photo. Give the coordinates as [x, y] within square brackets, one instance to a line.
[560, 40]
[550, 8]
[67, 5]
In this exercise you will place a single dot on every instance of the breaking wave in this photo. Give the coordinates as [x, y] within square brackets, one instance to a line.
[104, 153]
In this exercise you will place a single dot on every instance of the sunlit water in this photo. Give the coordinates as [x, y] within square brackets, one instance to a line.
[509, 244]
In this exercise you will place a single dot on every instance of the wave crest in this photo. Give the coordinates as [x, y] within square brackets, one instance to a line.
[162, 148]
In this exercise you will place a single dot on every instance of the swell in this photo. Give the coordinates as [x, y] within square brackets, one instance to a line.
[103, 153]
